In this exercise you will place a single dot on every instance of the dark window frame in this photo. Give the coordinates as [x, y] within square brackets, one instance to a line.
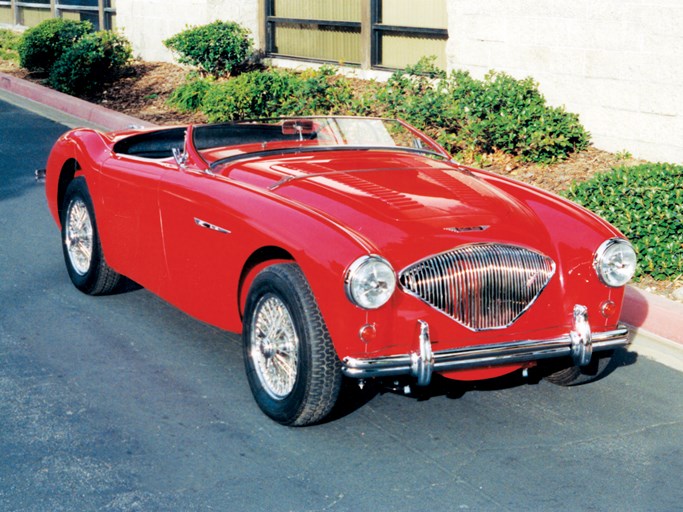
[103, 9]
[376, 27]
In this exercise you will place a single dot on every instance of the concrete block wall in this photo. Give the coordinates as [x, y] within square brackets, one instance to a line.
[617, 63]
[147, 23]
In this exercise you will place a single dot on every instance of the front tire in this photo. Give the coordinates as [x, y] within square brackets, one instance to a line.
[81, 246]
[576, 375]
[292, 367]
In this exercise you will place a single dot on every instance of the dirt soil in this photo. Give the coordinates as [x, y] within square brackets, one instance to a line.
[143, 92]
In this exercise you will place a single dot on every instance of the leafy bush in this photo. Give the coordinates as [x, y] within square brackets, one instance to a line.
[217, 48]
[417, 99]
[426, 66]
[510, 115]
[9, 44]
[270, 93]
[94, 60]
[470, 117]
[189, 97]
[41, 46]
[646, 203]
[250, 95]
[320, 91]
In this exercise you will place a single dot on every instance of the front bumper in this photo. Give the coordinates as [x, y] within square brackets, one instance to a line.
[579, 343]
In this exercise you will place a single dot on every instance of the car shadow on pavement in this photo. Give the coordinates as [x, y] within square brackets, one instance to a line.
[449, 388]
[125, 285]
[353, 397]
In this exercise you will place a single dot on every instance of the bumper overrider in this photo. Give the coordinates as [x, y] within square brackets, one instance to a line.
[579, 343]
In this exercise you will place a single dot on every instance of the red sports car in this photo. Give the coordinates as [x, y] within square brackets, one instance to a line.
[340, 247]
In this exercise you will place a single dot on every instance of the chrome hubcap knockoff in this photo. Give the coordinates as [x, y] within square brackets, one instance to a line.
[274, 346]
[79, 236]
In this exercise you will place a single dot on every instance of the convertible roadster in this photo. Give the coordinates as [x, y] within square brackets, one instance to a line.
[342, 248]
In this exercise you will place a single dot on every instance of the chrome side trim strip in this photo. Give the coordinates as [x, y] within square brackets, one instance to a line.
[208, 225]
[482, 355]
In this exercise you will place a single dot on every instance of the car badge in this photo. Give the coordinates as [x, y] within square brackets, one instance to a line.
[465, 229]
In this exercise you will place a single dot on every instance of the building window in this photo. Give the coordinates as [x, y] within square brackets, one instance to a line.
[369, 33]
[101, 13]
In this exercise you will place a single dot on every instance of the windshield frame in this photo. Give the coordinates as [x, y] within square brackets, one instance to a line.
[428, 146]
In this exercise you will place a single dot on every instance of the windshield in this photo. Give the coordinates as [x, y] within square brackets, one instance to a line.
[222, 143]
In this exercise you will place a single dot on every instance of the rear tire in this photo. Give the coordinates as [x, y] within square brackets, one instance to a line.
[576, 375]
[81, 246]
[292, 367]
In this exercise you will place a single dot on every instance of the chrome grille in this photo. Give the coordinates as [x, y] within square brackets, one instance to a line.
[482, 286]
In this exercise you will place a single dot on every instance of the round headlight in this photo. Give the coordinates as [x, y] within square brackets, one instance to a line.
[370, 281]
[615, 262]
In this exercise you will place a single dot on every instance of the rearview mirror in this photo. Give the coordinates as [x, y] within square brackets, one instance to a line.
[299, 127]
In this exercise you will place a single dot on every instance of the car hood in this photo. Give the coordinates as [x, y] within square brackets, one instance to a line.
[404, 205]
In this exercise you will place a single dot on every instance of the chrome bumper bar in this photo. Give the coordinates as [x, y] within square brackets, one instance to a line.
[579, 343]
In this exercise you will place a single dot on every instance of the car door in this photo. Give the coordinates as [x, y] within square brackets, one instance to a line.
[130, 202]
[202, 245]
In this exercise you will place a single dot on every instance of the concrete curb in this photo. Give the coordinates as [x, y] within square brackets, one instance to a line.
[652, 313]
[94, 114]
[652, 316]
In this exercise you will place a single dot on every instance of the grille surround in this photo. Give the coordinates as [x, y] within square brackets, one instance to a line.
[482, 286]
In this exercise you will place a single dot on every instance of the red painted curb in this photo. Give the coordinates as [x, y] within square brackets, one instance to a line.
[653, 313]
[76, 107]
[642, 310]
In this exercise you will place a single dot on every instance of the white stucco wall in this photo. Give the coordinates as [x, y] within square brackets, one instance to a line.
[147, 23]
[617, 63]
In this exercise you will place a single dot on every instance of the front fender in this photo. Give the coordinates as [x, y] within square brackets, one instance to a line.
[75, 152]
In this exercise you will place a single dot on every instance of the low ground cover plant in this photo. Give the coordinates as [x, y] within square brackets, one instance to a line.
[9, 45]
[646, 203]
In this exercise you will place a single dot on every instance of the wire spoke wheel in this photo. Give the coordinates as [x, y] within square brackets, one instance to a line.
[274, 347]
[292, 367]
[79, 236]
[81, 245]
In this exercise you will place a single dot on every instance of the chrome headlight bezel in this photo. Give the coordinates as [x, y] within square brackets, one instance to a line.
[615, 262]
[357, 282]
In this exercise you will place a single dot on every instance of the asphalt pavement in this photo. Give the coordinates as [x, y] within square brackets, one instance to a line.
[124, 403]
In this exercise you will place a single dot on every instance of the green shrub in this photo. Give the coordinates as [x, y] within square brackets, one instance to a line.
[250, 95]
[320, 91]
[426, 66]
[646, 203]
[510, 115]
[41, 46]
[9, 44]
[269, 93]
[216, 49]
[94, 60]
[470, 117]
[189, 97]
[417, 99]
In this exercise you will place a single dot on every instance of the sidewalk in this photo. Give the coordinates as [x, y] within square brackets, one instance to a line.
[657, 321]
